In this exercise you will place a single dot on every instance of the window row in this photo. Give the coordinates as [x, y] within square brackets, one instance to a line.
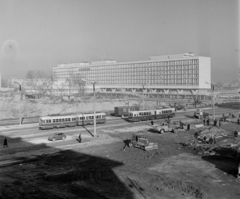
[150, 64]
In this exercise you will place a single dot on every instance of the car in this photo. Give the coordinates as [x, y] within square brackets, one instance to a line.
[57, 136]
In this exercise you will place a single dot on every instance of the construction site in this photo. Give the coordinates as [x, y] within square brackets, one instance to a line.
[186, 160]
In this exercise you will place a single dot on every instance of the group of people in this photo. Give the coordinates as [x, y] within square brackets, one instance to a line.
[206, 121]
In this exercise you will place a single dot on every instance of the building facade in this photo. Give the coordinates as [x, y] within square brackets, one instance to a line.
[176, 74]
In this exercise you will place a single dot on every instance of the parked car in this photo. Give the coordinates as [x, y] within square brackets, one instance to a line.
[57, 136]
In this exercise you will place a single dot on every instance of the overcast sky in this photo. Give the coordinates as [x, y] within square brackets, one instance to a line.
[40, 34]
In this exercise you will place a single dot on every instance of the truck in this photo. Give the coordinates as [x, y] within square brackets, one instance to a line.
[199, 114]
[124, 110]
[166, 127]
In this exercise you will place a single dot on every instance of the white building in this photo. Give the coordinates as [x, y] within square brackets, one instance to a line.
[175, 74]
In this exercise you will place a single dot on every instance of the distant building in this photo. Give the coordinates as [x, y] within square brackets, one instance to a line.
[177, 74]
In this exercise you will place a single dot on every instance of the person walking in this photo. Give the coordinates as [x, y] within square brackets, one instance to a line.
[80, 138]
[5, 143]
[152, 122]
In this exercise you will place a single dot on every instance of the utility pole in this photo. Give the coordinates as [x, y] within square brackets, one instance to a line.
[213, 99]
[94, 111]
[20, 111]
[143, 98]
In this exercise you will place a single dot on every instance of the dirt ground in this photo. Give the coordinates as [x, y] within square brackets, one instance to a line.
[107, 171]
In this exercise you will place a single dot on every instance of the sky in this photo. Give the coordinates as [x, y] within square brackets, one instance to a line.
[39, 35]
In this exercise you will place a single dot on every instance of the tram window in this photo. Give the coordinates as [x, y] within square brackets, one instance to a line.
[81, 118]
[103, 116]
[98, 116]
[68, 119]
[91, 117]
[74, 119]
[54, 120]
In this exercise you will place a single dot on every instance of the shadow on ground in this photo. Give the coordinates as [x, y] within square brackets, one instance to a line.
[226, 164]
[60, 174]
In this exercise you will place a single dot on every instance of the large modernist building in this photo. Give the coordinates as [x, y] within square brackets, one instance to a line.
[177, 74]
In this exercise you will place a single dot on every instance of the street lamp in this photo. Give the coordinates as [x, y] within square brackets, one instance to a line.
[20, 111]
[213, 100]
[94, 111]
[143, 97]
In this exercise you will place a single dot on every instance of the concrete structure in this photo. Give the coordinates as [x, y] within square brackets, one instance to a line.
[177, 75]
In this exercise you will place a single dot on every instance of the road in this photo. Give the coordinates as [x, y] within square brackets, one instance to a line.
[32, 135]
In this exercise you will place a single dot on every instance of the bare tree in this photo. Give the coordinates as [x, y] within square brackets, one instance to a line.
[39, 82]
[24, 107]
[75, 81]
[61, 89]
[196, 100]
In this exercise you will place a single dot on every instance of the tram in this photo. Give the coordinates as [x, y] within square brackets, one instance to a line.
[62, 121]
[136, 116]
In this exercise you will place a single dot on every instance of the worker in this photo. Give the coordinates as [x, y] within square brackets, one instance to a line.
[220, 123]
[168, 119]
[215, 122]
[152, 122]
[230, 115]
[238, 120]
[223, 117]
[5, 143]
[188, 127]
[208, 122]
[235, 134]
[204, 121]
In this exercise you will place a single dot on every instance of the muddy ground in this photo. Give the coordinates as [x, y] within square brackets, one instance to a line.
[107, 171]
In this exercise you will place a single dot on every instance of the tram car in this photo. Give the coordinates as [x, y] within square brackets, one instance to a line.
[62, 121]
[136, 116]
